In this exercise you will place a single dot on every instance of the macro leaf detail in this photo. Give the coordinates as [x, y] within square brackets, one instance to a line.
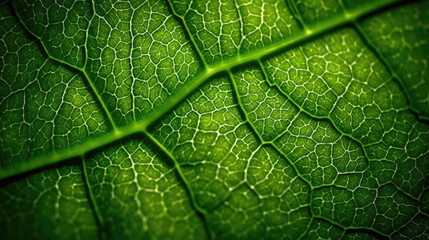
[229, 119]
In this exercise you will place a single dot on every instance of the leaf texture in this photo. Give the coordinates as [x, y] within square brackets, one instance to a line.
[229, 119]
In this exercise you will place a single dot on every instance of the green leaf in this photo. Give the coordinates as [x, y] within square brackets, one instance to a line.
[214, 120]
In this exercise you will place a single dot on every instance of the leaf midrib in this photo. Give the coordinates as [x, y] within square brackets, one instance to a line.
[210, 71]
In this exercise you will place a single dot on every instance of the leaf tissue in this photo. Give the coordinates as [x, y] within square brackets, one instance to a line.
[220, 119]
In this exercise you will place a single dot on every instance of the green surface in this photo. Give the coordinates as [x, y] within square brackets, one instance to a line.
[214, 119]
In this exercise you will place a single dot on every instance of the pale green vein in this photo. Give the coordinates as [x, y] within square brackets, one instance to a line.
[269, 143]
[82, 70]
[85, 45]
[188, 32]
[296, 14]
[253, 56]
[351, 227]
[240, 21]
[343, 234]
[91, 198]
[423, 213]
[93, 88]
[241, 105]
[306, 230]
[404, 225]
[201, 211]
[133, 78]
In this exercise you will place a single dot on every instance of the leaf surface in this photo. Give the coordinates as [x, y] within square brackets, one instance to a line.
[220, 119]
